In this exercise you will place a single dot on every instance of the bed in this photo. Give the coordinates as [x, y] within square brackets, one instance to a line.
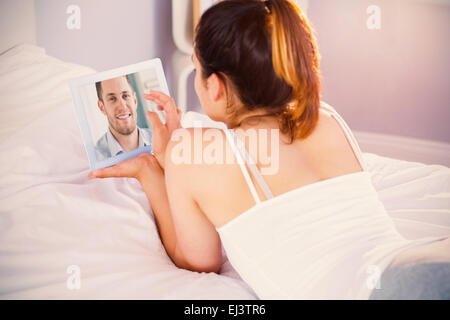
[53, 219]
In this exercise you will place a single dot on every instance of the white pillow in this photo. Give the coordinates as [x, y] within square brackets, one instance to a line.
[31, 85]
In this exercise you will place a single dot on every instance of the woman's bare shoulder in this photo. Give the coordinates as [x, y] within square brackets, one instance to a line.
[190, 146]
[208, 172]
[329, 144]
[199, 153]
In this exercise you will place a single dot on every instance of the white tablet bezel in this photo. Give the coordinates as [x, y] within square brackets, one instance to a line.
[75, 88]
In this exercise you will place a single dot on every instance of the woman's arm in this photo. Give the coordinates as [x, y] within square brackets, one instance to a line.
[146, 169]
[189, 238]
[197, 238]
[202, 242]
[153, 182]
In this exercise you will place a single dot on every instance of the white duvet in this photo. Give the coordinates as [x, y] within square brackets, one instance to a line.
[52, 217]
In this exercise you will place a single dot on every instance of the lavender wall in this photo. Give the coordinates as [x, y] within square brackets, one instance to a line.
[113, 33]
[394, 80]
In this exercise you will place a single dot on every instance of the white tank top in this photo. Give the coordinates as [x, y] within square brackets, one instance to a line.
[331, 239]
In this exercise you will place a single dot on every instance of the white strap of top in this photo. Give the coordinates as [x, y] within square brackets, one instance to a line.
[242, 155]
[253, 168]
[232, 142]
[348, 133]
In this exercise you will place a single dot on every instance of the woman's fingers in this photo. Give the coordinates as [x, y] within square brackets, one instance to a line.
[179, 112]
[162, 99]
[110, 172]
[136, 167]
[172, 120]
[167, 104]
[158, 97]
[157, 125]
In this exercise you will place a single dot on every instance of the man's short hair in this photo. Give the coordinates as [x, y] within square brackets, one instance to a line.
[98, 86]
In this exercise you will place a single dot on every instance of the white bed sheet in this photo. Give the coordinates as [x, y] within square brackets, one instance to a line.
[52, 217]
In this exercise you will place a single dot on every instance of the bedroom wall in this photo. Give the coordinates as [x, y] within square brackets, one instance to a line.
[112, 33]
[21, 15]
[393, 80]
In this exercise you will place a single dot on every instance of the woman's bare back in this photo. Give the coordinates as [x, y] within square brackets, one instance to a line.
[325, 154]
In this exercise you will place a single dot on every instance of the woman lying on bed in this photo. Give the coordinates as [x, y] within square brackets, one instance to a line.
[300, 221]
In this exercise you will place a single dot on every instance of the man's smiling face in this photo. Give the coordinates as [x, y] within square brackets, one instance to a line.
[119, 105]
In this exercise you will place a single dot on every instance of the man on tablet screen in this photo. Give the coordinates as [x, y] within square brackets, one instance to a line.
[117, 101]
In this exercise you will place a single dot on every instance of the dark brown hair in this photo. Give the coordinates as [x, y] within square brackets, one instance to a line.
[267, 53]
[98, 87]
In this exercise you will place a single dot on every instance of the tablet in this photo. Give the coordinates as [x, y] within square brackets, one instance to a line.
[111, 111]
